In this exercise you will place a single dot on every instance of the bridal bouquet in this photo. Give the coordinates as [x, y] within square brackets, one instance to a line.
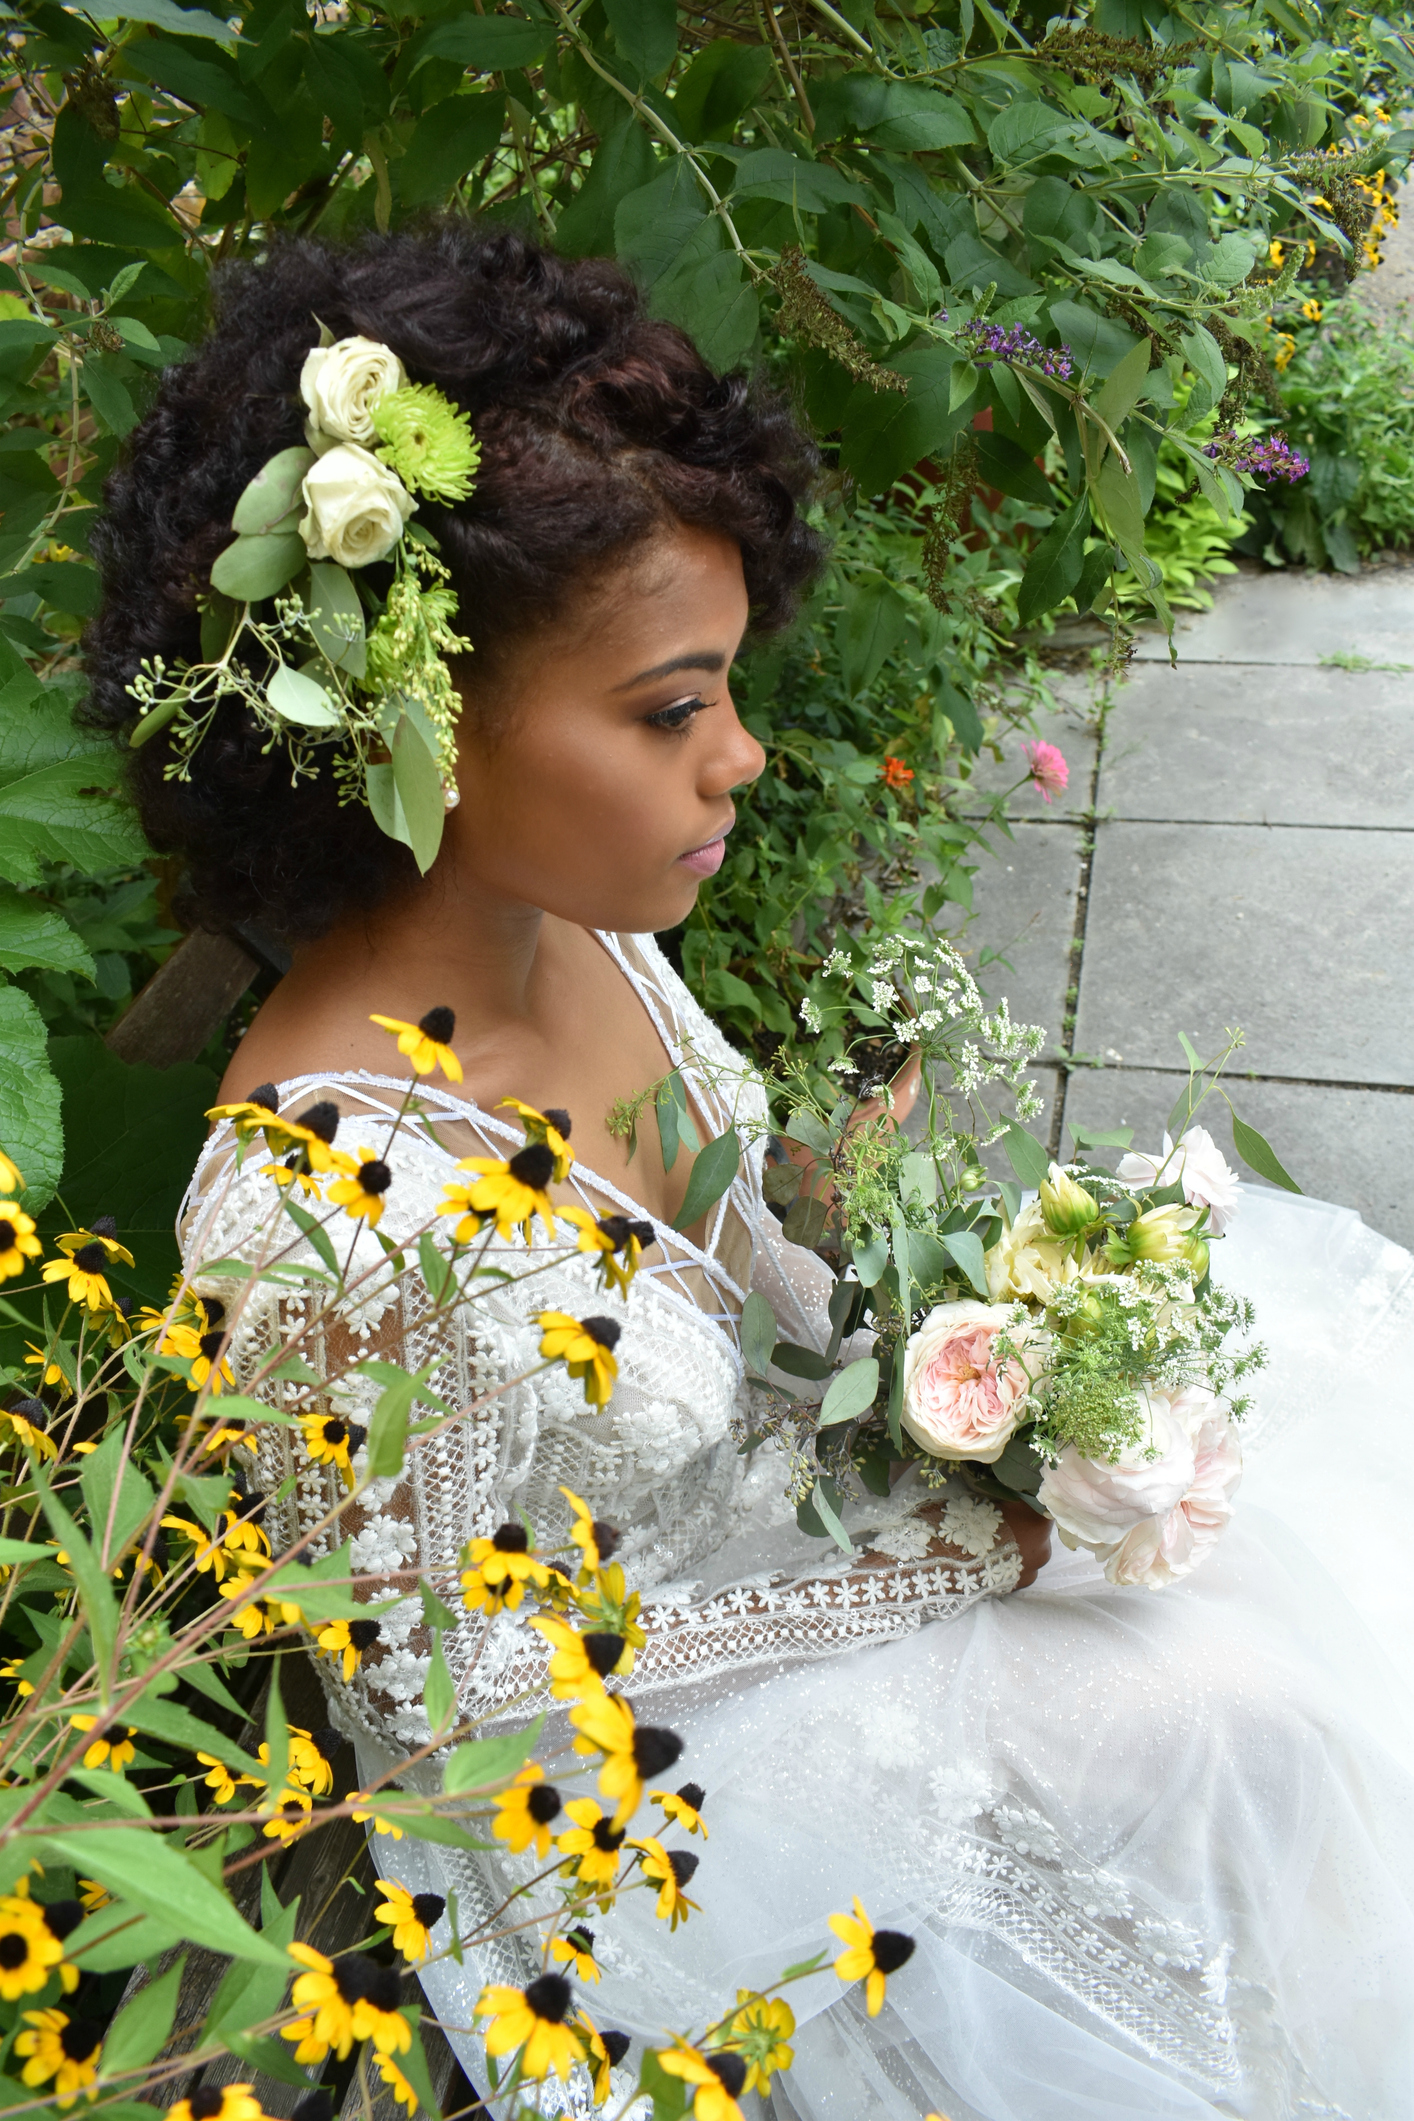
[1057, 1339]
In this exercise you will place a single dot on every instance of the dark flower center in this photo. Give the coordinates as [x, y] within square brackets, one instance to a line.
[14, 1950]
[438, 1025]
[615, 1228]
[603, 1332]
[80, 2037]
[616, 2045]
[358, 1435]
[511, 1539]
[891, 1950]
[7, 1236]
[559, 1119]
[321, 1119]
[644, 1232]
[32, 1409]
[210, 1344]
[268, 1098]
[206, 2102]
[682, 1863]
[353, 1974]
[605, 1839]
[730, 2069]
[364, 1633]
[607, 1538]
[334, 1433]
[581, 1939]
[215, 1313]
[428, 1908]
[385, 1985]
[654, 1751]
[549, 1997]
[62, 1918]
[692, 1793]
[326, 1741]
[375, 1177]
[543, 1803]
[92, 1258]
[603, 1652]
[104, 1226]
[533, 1165]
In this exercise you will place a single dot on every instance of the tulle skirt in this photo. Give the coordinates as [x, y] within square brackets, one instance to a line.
[1156, 1848]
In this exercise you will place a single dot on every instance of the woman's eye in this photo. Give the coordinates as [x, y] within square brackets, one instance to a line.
[677, 717]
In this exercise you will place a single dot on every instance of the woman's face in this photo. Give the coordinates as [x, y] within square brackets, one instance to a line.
[596, 774]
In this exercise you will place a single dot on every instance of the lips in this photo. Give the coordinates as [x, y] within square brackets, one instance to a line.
[707, 859]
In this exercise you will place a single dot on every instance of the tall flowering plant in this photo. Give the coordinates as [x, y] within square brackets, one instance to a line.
[150, 1773]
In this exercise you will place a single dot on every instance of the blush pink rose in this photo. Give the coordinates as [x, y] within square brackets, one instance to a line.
[1152, 1519]
[960, 1399]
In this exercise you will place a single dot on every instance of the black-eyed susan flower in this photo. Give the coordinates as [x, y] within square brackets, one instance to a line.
[378, 1994]
[218, 2102]
[684, 1805]
[524, 1811]
[209, 1365]
[586, 1348]
[508, 1192]
[427, 1044]
[52, 1368]
[289, 1815]
[346, 1999]
[671, 1871]
[62, 2048]
[360, 1192]
[328, 1441]
[761, 2029]
[633, 1753]
[576, 1951]
[580, 1663]
[83, 1270]
[243, 1538]
[612, 1608]
[61, 1918]
[1312, 311]
[498, 1570]
[599, 2052]
[593, 1842]
[872, 1955]
[350, 1640]
[309, 1139]
[597, 1542]
[12, 1178]
[232, 1435]
[254, 1115]
[411, 1916]
[18, 1243]
[397, 2083]
[717, 2075]
[312, 1758]
[256, 1617]
[21, 1421]
[381, 1825]
[219, 1779]
[110, 1751]
[94, 1896]
[615, 1244]
[208, 1554]
[11, 1669]
[29, 1950]
[552, 1127]
[532, 2020]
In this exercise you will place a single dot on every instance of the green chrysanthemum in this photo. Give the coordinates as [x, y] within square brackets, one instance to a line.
[426, 441]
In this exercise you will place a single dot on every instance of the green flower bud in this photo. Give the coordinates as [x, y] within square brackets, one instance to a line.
[1195, 1251]
[1068, 1208]
[1160, 1235]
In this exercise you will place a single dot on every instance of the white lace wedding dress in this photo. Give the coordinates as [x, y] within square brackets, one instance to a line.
[1157, 1848]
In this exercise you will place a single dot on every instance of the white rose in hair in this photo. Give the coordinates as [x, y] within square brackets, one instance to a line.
[355, 507]
[1151, 1519]
[340, 383]
[961, 1397]
[1199, 1166]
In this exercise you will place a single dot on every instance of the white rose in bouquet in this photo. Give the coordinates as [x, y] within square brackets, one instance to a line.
[341, 383]
[961, 1397]
[1028, 1261]
[356, 507]
[1152, 1518]
[1199, 1166]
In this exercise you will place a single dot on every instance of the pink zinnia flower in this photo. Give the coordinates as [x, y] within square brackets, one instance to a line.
[1049, 770]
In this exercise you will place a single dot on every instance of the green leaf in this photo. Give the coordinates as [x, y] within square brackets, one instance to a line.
[872, 627]
[485, 1762]
[851, 1393]
[670, 2095]
[301, 699]
[253, 568]
[413, 2064]
[724, 80]
[1122, 388]
[1028, 1159]
[450, 140]
[708, 294]
[1206, 358]
[1054, 567]
[820, 1502]
[277, 1731]
[145, 1869]
[966, 1248]
[142, 2028]
[388, 1429]
[30, 1127]
[1026, 130]
[1003, 465]
[318, 1237]
[185, 21]
[119, 1936]
[438, 1694]
[273, 2058]
[206, 84]
[438, 1273]
[419, 785]
[806, 1127]
[492, 44]
[1116, 493]
[812, 187]
[95, 1590]
[871, 1257]
[114, 1520]
[758, 1337]
[107, 394]
[799, 1362]
[174, 1725]
[652, 226]
[885, 434]
[272, 493]
[59, 795]
[250, 1993]
[19, 1553]
[646, 32]
[1258, 1153]
[713, 1170]
[434, 1612]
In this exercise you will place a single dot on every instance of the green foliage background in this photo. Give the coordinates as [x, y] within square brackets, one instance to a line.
[831, 191]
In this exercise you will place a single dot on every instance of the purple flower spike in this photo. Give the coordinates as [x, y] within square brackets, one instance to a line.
[1271, 457]
[993, 342]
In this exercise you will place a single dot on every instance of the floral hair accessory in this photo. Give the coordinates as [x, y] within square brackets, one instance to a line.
[346, 669]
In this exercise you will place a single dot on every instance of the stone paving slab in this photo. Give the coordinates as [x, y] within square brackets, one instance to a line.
[1072, 727]
[1294, 617]
[1351, 1146]
[1024, 903]
[1250, 743]
[1299, 936]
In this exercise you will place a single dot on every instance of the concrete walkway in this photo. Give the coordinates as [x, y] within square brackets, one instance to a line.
[1236, 847]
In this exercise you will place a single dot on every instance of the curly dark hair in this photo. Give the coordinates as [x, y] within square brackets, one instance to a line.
[597, 426]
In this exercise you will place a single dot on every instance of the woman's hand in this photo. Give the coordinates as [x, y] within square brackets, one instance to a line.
[1032, 1534]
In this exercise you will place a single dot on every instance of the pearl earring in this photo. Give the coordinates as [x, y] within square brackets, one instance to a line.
[451, 796]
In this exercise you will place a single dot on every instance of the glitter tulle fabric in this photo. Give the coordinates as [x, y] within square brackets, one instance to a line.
[1157, 1848]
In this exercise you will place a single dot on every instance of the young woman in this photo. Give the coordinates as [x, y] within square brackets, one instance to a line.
[1155, 1850]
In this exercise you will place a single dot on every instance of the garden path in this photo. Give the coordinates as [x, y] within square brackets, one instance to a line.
[1236, 847]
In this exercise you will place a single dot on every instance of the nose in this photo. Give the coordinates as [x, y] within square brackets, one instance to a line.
[738, 759]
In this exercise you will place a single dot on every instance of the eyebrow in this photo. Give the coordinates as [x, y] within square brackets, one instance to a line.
[703, 659]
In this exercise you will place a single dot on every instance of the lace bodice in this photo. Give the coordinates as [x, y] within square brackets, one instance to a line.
[728, 1581]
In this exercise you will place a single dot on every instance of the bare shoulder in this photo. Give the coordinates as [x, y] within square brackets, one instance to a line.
[304, 1028]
